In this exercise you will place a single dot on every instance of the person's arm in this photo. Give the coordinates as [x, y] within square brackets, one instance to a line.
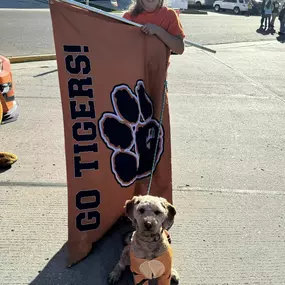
[174, 43]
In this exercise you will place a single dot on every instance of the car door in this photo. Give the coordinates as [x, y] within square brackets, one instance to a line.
[243, 6]
[232, 4]
[225, 4]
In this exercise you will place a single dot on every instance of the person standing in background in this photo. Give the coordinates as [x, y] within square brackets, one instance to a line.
[275, 13]
[282, 21]
[262, 14]
[268, 13]
[249, 6]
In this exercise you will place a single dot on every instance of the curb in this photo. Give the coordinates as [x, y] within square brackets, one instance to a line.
[31, 58]
[194, 12]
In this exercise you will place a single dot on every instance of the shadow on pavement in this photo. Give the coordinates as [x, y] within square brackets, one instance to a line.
[94, 269]
[264, 32]
[5, 169]
[45, 73]
[281, 39]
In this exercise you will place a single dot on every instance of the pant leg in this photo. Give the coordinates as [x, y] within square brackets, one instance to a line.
[266, 21]
[282, 26]
[273, 20]
[262, 19]
[269, 21]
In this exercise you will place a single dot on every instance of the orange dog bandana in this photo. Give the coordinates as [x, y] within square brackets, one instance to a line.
[158, 268]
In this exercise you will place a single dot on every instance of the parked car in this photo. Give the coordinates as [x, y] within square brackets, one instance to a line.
[9, 110]
[197, 3]
[237, 6]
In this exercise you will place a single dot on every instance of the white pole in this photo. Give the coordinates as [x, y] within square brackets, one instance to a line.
[87, 2]
[113, 16]
[199, 46]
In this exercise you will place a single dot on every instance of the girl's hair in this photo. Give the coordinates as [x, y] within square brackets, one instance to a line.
[137, 8]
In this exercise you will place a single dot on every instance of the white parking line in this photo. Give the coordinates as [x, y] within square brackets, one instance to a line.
[229, 190]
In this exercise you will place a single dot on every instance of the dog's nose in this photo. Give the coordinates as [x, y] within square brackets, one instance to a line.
[148, 225]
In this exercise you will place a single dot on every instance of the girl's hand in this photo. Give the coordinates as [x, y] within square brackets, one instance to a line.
[150, 29]
[174, 43]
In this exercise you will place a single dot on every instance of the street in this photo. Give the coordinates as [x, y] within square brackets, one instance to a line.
[26, 32]
[227, 116]
[23, 4]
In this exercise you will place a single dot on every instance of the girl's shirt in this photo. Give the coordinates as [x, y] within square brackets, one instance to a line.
[164, 17]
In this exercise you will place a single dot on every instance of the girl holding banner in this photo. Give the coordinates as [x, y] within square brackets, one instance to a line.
[160, 21]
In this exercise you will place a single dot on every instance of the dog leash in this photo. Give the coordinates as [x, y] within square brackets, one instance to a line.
[156, 145]
[157, 140]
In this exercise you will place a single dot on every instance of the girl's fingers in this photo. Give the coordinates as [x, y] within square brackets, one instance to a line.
[144, 29]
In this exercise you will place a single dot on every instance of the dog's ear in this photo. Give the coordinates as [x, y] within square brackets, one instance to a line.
[171, 212]
[129, 206]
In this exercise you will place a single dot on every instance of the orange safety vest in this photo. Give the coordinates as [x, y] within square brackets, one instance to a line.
[158, 268]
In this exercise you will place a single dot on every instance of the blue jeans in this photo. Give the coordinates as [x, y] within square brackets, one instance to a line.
[267, 20]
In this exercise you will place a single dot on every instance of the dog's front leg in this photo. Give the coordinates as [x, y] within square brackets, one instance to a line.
[124, 261]
[174, 277]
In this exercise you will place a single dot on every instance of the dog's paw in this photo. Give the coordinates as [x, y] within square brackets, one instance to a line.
[174, 277]
[113, 278]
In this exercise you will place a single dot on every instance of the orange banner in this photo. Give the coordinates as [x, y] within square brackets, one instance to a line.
[111, 80]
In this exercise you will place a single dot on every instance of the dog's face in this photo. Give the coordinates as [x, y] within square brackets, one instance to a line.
[149, 214]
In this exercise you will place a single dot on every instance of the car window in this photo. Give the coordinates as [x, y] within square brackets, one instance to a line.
[241, 1]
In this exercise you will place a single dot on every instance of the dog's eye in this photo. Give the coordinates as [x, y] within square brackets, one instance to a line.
[141, 211]
[157, 213]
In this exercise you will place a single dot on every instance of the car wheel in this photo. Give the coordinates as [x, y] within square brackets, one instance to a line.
[198, 5]
[217, 8]
[236, 10]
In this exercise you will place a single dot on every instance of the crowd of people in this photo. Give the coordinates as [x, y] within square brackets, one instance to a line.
[270, 10]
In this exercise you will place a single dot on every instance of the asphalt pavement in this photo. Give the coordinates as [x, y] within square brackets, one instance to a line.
[29, 31]
[228, 135]
[23, 4]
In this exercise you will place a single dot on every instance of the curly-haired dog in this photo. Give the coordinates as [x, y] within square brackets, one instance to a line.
[149, 253]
